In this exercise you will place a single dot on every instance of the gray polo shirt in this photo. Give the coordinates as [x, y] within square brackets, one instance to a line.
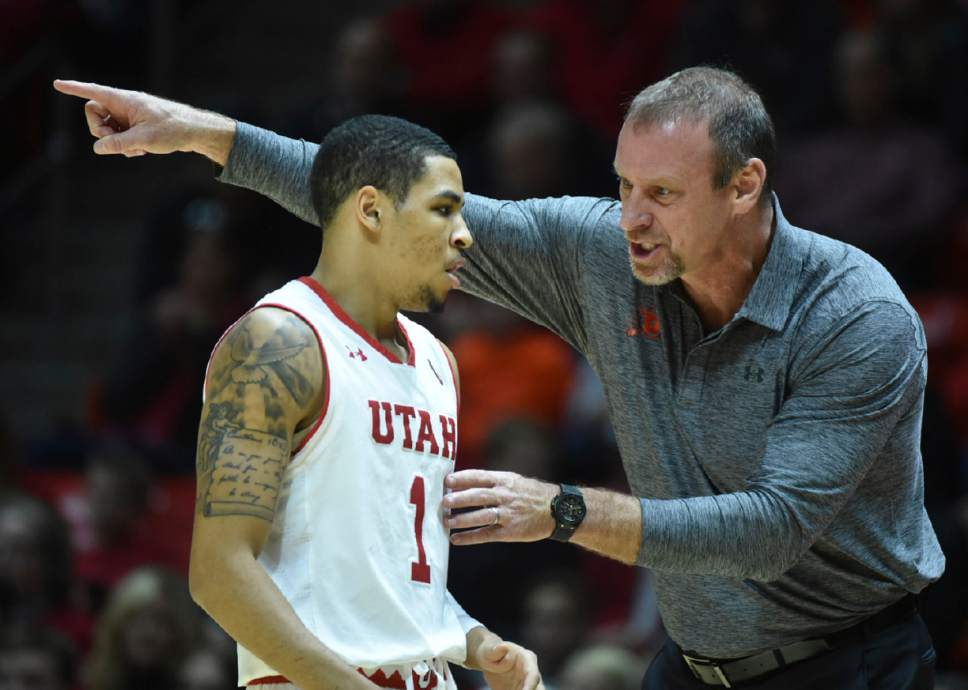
[777, 459]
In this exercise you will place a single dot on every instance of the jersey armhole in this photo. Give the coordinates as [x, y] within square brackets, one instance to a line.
[323, 360]
[453, 373]
[325, 363]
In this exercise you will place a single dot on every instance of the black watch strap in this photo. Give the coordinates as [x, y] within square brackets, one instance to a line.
[568, 511]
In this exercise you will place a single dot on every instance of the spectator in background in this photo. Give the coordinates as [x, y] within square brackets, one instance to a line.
[523, 69]
[946, 602]
[364, 77]
[36, 584]
[557, 620]
[532, 382]
[478, 576]
[108, 521]
[531, 152]
[9, 455]
[605, 51]
[900, 184]
[145, 633]
[152, 393]
[783, 49]
[431, 38]
[927, 44]
[524, 446]
[36, 659]
[205, 669]
[520, 443]
[602, 667]
[23, 27]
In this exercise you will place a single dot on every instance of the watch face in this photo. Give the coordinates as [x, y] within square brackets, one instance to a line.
[570, 509]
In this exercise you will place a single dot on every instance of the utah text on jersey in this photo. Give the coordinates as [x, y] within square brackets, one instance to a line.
[440, 441]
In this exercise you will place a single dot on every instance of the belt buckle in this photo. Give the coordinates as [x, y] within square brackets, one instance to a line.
[693, 662]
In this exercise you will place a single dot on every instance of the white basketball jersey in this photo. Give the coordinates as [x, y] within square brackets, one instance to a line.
[358, 545]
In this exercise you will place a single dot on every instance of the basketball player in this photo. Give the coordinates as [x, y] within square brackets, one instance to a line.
[327, 430]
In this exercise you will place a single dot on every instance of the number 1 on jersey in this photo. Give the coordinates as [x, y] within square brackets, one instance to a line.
[419, 571]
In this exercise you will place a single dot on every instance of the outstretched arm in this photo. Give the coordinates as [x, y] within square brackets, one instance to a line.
[133, 123]
[520, 248]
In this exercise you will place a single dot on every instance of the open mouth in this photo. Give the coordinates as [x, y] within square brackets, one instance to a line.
[643, 250]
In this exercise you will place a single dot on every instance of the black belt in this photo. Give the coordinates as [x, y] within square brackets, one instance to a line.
[729, 672]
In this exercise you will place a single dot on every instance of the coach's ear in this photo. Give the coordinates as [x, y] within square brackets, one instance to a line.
[369, 210]
[748, 183]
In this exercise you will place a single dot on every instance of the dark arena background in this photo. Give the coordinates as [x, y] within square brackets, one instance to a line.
[118, 275]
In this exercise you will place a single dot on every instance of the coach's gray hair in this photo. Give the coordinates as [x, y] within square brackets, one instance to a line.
[739, 126]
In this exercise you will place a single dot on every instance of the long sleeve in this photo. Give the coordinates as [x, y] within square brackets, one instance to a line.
[526, 255]
[273, 165]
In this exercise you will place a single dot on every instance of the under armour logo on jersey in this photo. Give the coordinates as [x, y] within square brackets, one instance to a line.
[753, 372]
[435, 372]
[358, 354]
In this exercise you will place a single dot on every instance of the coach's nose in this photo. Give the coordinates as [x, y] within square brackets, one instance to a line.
[634, 219]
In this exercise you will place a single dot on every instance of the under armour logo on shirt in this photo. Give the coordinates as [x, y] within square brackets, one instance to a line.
[753, 372]
[358, 354]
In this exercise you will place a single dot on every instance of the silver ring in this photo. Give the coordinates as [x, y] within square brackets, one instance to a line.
[497, 516]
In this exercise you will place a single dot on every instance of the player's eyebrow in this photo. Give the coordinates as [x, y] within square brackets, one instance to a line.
[451, 196]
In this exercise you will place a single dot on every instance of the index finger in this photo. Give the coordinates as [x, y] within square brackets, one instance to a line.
[84, 89]
[471, 479]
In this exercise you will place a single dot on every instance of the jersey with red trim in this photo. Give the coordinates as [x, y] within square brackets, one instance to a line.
[358, 546]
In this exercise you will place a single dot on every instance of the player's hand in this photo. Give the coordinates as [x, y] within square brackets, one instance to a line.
[508, 507]
[132, 123]
[509, 666]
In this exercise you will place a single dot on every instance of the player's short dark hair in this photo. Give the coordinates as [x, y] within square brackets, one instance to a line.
[379, 150]
[739, 126]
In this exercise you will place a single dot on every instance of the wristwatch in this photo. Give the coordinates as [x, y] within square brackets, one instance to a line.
[568, 510]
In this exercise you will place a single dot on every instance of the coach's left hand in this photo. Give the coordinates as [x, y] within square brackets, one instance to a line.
[509, 507]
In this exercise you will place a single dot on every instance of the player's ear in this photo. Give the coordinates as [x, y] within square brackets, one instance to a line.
[369, 209]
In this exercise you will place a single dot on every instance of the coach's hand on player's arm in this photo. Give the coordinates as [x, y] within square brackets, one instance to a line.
[505, 506]
[133, 123]
[506, 665]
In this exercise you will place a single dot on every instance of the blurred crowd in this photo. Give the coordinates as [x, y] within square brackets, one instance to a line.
[870, 101]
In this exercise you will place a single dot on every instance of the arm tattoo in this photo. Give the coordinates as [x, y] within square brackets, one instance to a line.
[254, 364]
[239, 469]
[246, 475]
[244, 437]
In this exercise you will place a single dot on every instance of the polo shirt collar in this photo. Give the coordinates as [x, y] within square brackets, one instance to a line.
[771, 298]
